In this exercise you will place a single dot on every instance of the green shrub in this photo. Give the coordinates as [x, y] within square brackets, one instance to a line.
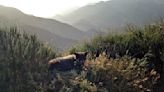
[23, 62]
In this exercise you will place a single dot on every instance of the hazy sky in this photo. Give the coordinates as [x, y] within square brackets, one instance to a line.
[46, 8]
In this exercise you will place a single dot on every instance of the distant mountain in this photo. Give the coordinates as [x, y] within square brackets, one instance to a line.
[61, 43]
[54, 32]
[114, 13]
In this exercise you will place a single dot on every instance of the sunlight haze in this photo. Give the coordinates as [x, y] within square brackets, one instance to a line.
[46, 8]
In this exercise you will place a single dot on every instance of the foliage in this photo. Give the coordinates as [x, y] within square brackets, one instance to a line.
[121, 75]
[143, 45]
[135, 42]
[128, 62]
[23, 62]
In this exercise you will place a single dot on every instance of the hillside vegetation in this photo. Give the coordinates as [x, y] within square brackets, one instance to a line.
[128, 62]
[23, 62]
[134, 56]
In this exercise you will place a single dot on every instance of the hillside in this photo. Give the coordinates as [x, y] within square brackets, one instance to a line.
[55, 32]
[60, 43]
[129, 62]
[114, 14]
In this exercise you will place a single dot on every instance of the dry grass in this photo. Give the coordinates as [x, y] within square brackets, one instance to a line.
[118, 75]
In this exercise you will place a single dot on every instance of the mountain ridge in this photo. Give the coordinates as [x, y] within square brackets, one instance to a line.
[114, 14]
[63, 35]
